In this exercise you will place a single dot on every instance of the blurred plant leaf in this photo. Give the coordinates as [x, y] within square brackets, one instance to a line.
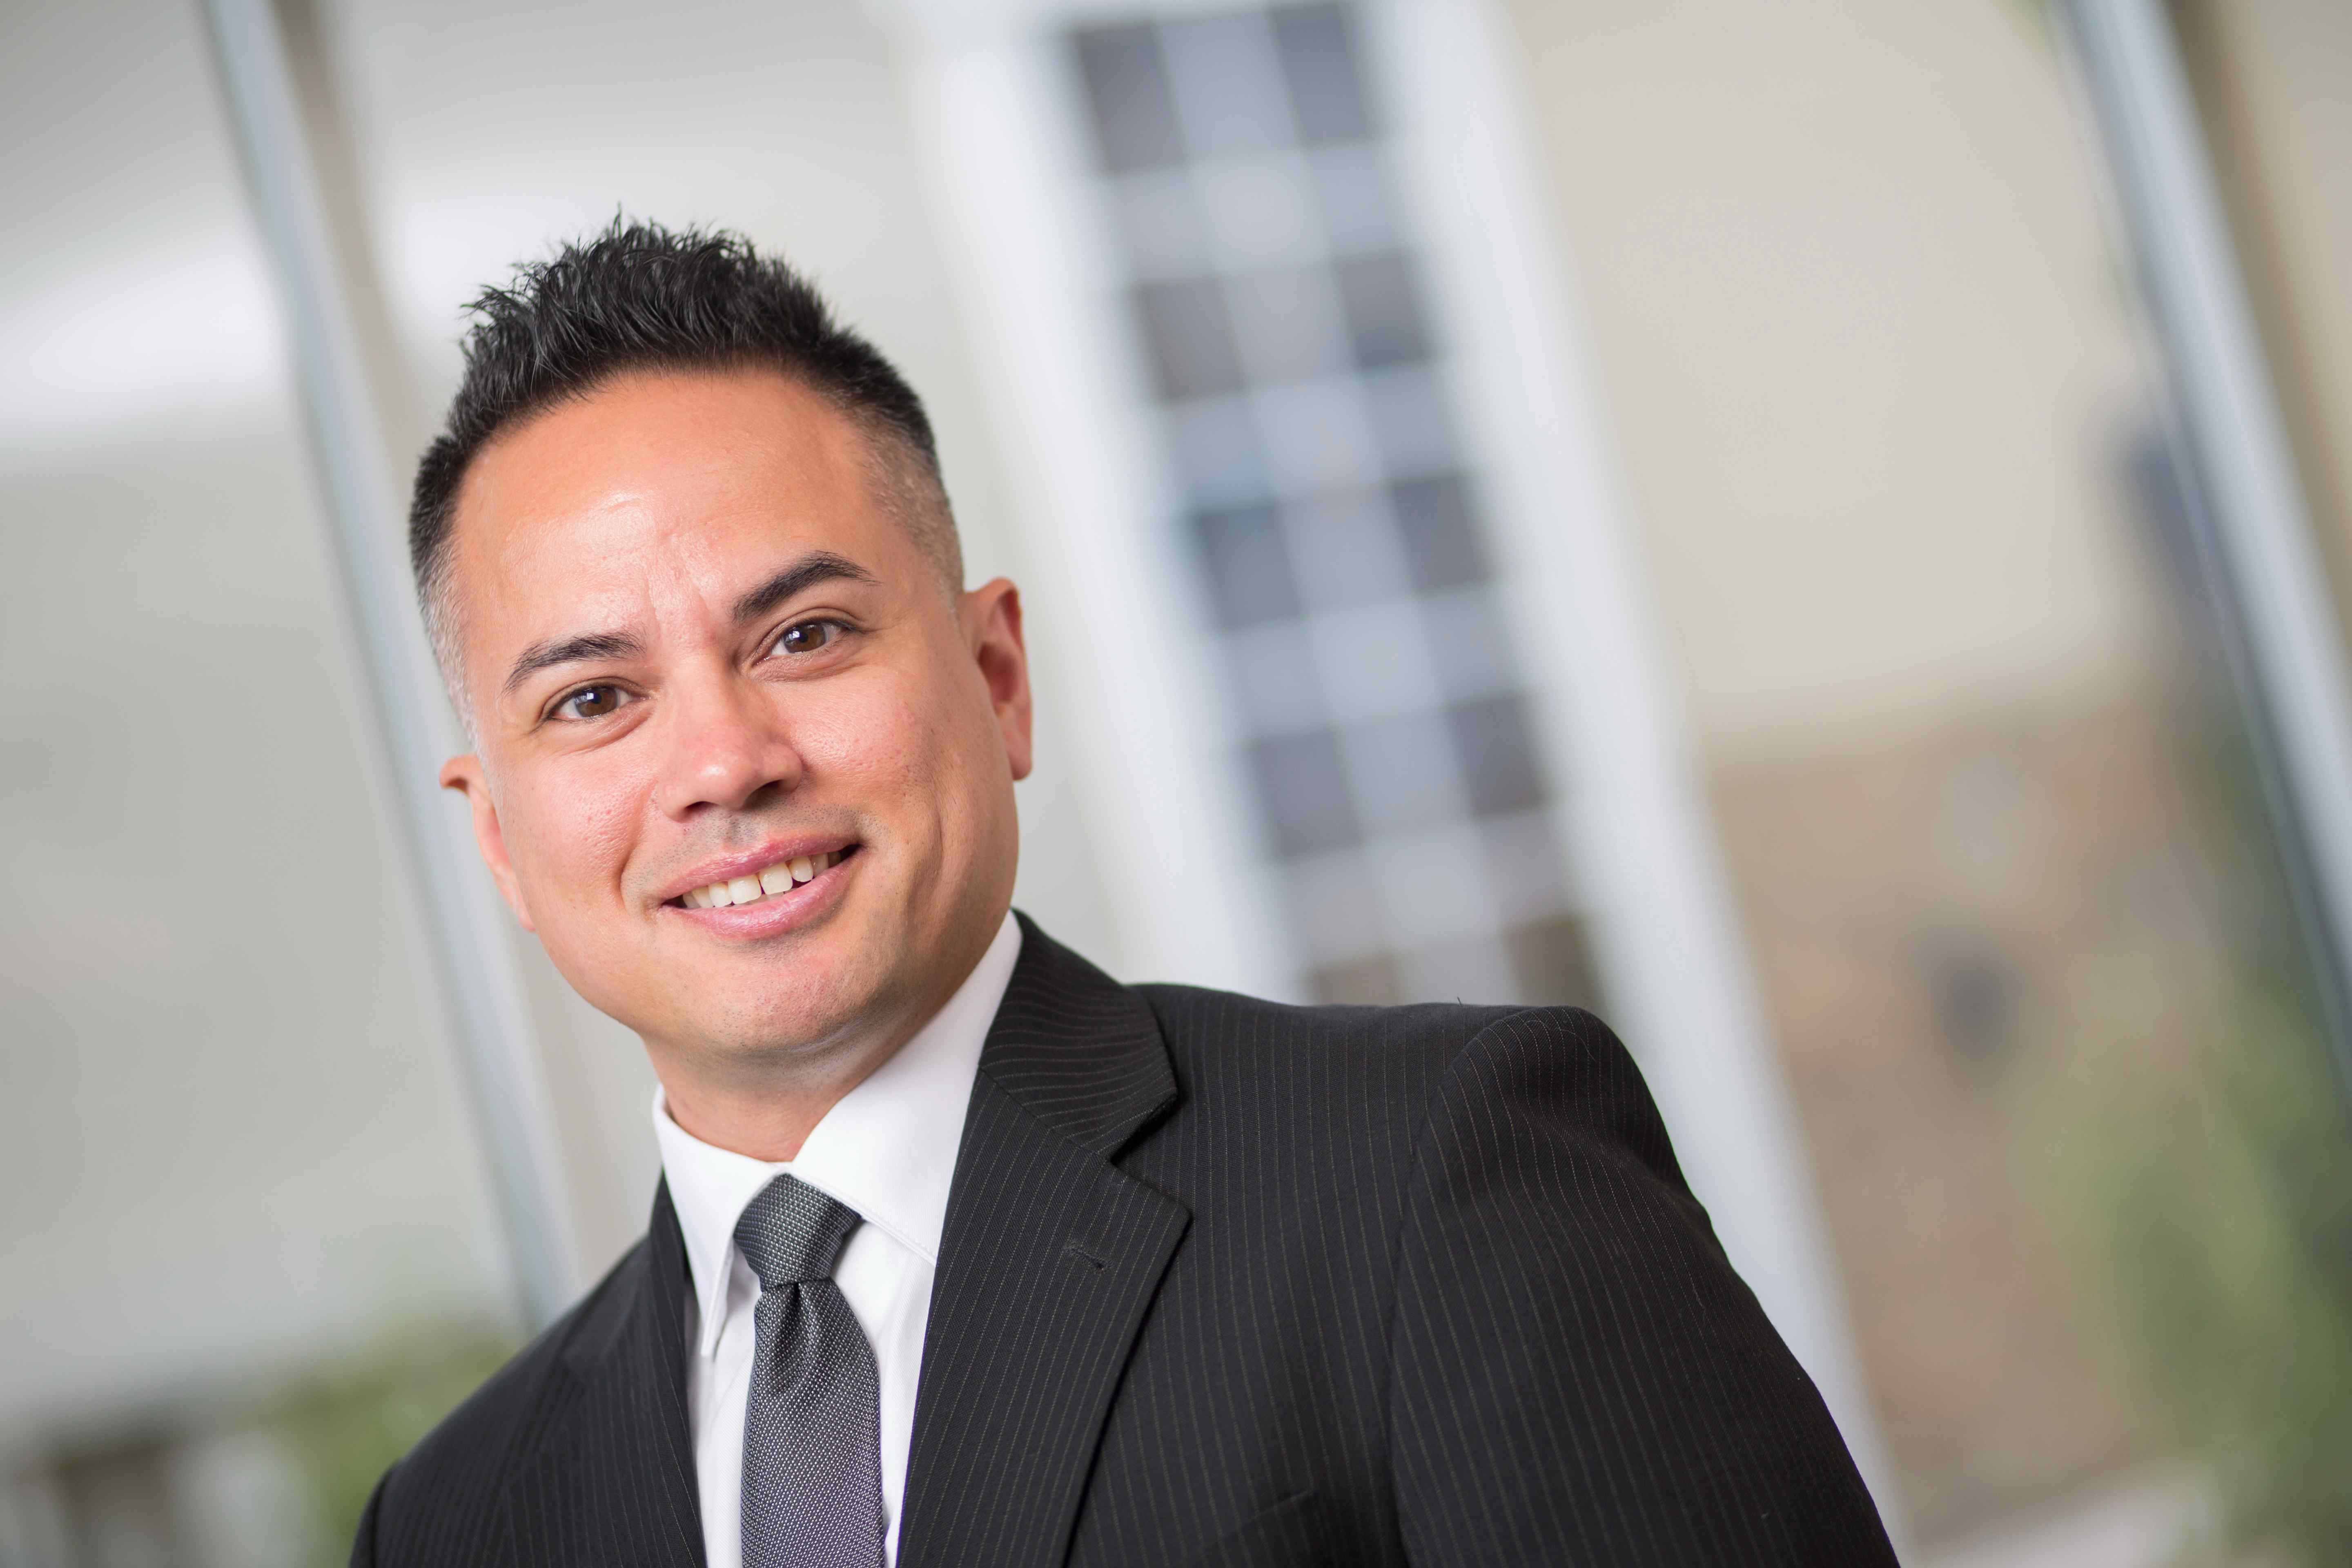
[346, 1427]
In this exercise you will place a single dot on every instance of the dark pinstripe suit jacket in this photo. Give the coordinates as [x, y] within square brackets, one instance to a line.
[1229, 1282]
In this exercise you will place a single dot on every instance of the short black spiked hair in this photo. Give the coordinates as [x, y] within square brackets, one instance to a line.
[640, 297]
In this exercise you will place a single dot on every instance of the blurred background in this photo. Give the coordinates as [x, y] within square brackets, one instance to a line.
[1816, 530]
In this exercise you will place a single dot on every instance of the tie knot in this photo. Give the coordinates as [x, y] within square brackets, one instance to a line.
[792, 1233]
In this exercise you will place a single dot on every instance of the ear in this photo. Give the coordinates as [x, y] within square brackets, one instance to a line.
[464, 775]
[991, 621]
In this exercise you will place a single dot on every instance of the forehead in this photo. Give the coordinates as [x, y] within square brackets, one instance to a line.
[658, 486]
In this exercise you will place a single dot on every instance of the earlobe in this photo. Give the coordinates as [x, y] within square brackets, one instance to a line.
[464, 775]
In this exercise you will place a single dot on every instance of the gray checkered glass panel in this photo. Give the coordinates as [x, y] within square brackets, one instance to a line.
[1277, 291]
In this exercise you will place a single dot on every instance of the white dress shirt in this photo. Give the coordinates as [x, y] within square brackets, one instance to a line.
[887, 1149]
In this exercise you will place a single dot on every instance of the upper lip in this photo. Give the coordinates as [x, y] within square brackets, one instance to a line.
[752, 862]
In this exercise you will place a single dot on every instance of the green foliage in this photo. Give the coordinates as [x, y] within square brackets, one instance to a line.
[2214, 1196]
[345, 1428]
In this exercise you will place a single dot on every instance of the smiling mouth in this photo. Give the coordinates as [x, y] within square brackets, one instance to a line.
[781, 878]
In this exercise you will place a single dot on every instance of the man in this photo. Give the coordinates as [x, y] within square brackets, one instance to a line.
[965, 1253]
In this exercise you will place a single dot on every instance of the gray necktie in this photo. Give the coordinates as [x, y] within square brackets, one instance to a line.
[811, 1427]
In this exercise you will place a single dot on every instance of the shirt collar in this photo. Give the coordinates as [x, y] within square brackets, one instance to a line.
[887, 1149]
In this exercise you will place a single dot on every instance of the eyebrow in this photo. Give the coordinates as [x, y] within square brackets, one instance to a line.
[818, 566]
[549, 652]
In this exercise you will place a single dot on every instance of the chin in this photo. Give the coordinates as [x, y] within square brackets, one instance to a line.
[808, 1000]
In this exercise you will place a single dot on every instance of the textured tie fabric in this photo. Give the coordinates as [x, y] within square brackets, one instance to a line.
[811, 1427]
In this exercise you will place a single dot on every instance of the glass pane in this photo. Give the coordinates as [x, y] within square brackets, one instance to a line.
[2008, 879]
[1327, 90]
[248, 1246]
[1127, 83]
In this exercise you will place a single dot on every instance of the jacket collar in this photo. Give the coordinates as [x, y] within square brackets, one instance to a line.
[1048, 1267]
[1049, 1261]
[1077, 1050]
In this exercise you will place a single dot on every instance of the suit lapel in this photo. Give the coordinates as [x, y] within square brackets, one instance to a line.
[611, 1476]
[1048, 1263]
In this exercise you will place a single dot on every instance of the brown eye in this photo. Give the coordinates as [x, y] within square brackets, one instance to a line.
[590, 702]
[808, 637]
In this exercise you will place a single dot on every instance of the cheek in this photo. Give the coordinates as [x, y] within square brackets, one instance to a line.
[893, 749]
[576, 833]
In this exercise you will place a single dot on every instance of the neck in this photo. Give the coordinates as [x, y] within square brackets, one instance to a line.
[767, 1125]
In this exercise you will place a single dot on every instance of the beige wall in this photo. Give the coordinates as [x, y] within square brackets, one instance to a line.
[1863, 346]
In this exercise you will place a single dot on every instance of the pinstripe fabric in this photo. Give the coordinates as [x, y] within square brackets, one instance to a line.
[1224, 1281]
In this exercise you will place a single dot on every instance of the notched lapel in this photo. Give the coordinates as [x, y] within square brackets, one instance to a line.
[1048, 1263]
[611, 1478]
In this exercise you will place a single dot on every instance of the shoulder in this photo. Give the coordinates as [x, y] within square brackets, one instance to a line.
[1414, 1069]
[446, 1486]
[1415, 1047]
[1561, 1075]
[1400, 1051]
[1571, 1344]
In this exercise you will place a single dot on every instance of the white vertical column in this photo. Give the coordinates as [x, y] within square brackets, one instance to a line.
[2285, 640]
[476, 990]
[1665, 931]
[993, 113]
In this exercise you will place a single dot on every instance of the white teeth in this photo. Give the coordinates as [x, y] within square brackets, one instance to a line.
[777, 879]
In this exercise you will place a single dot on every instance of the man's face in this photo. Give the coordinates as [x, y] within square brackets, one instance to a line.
[704, 655]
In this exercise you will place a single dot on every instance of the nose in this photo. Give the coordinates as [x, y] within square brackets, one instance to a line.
[725, 750]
